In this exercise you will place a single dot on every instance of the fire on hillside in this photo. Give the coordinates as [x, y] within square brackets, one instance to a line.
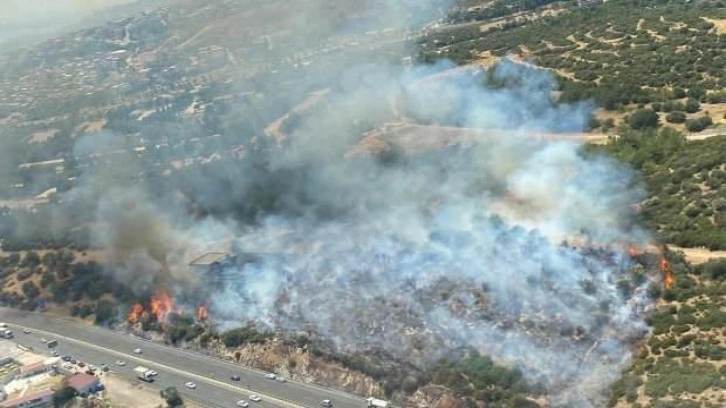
[664, 265]
[160, 306]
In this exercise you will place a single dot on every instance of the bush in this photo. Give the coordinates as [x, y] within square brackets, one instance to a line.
[172, 397]
[32, 259]
[30, 290]
[697, 125]
[105, 312]
[716, 269]
[676, 117]
[692, 106]
[244, 335]
[643, 119]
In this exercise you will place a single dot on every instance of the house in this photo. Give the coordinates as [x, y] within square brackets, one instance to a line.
[30, 370]
[84, 384]
[43, 398]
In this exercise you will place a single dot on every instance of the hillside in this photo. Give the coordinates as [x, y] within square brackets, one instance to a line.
[481, 256]
[682, 364]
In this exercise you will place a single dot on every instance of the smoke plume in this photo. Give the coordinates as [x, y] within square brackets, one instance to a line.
[419, 254]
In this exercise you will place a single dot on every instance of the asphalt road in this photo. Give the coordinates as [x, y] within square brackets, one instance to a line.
[175, 366]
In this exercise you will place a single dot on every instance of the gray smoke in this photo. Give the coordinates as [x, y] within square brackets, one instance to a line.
[444, 249]
[450, 249]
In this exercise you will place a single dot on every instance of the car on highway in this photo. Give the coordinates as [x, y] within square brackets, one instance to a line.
[234, 377]
[137, 351]
[67, 358]
[255, 398]
[120, 363]
[243, 404]
[326, 403]
[153, 373]
[281, 379]
[26, 331]
[190, 385]
[270, 376]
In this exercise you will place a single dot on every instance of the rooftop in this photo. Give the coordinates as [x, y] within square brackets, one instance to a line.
[28, 368]
[209, 259]
[14, 402]
[80, 382]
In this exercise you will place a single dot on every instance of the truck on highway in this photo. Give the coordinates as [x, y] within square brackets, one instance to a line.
[376, 403]
[144, 374]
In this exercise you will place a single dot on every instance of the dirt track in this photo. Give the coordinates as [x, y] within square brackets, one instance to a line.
[699, 255]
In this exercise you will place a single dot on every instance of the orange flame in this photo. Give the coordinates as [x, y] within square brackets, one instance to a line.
[668, 277]
[161, 305]
[136, 311]
[202, 313]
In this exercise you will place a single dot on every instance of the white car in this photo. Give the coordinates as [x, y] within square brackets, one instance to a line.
[120, 363]
[190, 385]
[26, 331]
[255, 398]
[153, 373]
[137, 351]
[270, 376]
[243, 404]
[281, 379]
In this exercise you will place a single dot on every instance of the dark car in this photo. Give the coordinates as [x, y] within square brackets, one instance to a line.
[234, 377]
[67, 358]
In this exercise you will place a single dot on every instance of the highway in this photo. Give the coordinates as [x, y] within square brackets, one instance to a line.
[95, 345]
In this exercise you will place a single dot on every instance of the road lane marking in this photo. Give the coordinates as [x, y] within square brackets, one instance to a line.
[171, 369]
[163, 348]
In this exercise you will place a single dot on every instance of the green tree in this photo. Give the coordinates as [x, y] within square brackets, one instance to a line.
[243, 335]
[32, 259]
[676, 117]
[692, 105]
[105, 312]
[172, 397]
[697, 125]
[30, 290]
[643, 119]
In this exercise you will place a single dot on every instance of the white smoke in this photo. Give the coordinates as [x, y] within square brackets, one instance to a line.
[437, 251]
[370, 276]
